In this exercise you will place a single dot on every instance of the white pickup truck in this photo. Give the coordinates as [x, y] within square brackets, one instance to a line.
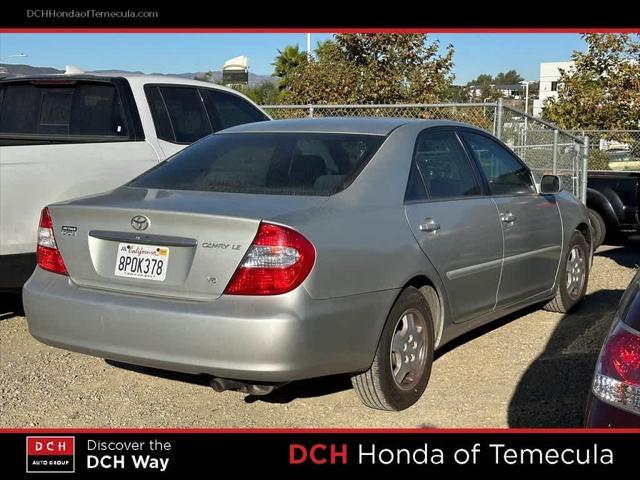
[69, 135]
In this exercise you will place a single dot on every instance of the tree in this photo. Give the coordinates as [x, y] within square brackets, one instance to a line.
[209, 76]
[483, 79]
[264, 93]
[286, 62]
[457, 94]
[488, 84]
[602, 90]
[324, 48]
[509, 78]
[482, 88]
[373, 68]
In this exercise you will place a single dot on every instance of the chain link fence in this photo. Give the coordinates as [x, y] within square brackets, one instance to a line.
[544, 147]
[613, 149]
[480, 114]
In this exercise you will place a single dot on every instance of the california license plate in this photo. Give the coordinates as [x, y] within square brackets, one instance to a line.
[148, 262]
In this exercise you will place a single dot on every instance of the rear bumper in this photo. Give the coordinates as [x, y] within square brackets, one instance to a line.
[16, 269]
[602, 415]
[268, 339]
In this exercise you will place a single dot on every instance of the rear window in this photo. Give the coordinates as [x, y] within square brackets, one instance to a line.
[64, 109]
[266, 163]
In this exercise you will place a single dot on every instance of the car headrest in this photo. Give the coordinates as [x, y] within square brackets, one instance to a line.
[306, 169]
[328, 183]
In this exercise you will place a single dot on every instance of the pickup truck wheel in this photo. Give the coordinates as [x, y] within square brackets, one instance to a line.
[599, 228]
[573, 276]
[402, 365]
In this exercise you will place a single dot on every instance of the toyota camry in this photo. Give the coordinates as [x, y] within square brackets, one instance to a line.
[277, 251]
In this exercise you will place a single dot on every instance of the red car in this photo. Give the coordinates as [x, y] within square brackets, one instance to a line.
[614, 400]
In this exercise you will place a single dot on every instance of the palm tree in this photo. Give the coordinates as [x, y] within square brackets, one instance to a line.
[287, 60]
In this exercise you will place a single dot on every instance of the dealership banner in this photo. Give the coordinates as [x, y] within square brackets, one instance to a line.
[126, 16]
[110, 452]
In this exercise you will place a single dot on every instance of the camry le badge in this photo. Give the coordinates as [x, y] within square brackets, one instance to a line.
[140, 222]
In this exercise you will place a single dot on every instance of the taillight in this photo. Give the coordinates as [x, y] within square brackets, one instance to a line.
[48, 255]
[278, 260]
[617, 378]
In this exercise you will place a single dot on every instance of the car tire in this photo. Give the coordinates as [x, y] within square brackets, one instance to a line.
[599, 228]
[401, 367]
[573, 276]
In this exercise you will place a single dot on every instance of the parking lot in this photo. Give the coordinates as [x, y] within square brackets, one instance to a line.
[530, 369]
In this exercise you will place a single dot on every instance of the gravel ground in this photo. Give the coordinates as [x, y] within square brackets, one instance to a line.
[530, 369]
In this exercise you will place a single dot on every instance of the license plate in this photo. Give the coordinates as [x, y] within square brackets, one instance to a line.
[148, 262]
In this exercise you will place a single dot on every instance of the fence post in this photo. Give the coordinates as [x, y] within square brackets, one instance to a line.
[585, 164]
[555, 152]
[499, 118]
[495, 117]
[311, 111]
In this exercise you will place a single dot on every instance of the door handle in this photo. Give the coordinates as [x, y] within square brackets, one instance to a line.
[508, 217]
[429, 225]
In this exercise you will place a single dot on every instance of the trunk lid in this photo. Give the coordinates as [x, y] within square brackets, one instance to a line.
[198, 239]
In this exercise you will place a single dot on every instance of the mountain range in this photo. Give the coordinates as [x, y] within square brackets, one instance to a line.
[13, 69]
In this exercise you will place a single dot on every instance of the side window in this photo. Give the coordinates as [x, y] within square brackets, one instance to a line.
[227, 110]
[187, 113]
[415, 186]
[506, 175]
[164, 130]
[444, 165]
[82, 109]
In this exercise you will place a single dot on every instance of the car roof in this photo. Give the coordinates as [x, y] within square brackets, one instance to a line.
[361, 125]
[133, 78]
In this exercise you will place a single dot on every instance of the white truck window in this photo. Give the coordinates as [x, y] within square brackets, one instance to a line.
[186, 111]
[186, 114]
[228, 110]
[62, 108]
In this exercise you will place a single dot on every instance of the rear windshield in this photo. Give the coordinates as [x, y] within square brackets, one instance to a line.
[62, 109]
[266, 163]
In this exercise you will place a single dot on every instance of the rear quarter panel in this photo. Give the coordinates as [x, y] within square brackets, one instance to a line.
[362, 239]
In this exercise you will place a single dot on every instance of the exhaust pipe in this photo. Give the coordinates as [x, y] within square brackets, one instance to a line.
[223, 384]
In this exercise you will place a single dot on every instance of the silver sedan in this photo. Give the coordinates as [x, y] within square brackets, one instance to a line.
[284, 250]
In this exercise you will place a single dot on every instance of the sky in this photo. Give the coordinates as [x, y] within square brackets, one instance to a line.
[475, 53]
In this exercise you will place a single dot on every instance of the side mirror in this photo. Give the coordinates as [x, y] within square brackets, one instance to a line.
[550, 184]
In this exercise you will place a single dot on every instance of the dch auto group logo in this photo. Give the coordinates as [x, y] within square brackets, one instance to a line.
[51, 455]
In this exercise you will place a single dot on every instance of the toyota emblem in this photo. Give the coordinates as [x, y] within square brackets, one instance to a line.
[140, 222]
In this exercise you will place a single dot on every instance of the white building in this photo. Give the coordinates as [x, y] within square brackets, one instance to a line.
[549, 78]
[512, 91]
